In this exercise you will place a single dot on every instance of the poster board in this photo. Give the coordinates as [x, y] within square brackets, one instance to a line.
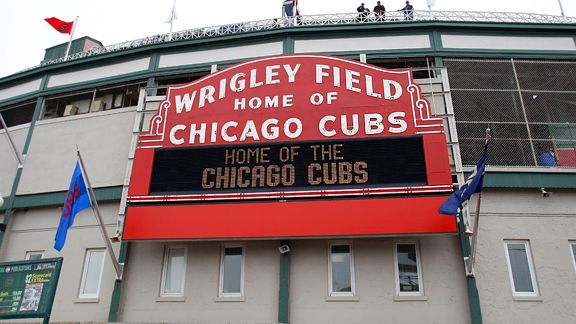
[27, 288]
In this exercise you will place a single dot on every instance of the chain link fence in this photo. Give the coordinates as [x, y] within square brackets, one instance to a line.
[529, 105]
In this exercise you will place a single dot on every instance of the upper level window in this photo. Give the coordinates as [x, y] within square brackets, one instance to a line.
[17, 115]
[173, 272]
[92, 273]
[408, 270]
[34, 255]
[521, 269]
[232, 272]
[341, 270]
[93, 100]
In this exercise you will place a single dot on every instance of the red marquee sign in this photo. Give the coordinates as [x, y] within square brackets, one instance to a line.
[286, 127]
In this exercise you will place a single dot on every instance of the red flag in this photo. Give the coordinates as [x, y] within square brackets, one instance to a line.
[62, 26]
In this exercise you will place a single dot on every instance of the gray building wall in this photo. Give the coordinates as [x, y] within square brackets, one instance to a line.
[34, 230]
[103, 139]
[200, 304]
[548, 224]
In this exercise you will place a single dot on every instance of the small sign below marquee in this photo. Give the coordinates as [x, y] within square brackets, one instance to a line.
[291, 127]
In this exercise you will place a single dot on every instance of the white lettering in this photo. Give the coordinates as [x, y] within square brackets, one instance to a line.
[388, 92]
[173, 139]
[206, 93]
[320, 72]
[224, 131]
[373, 124]
[270, 133]
[197, 132]
[291, 72]
[185, 101]
[298, 130]
[249, 131]
[270, 74]
[322, 126]
[351, 79]
[393, 119]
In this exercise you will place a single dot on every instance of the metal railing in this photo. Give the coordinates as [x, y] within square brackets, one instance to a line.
[321, 20]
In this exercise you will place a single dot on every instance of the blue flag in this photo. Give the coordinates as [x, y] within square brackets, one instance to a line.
[77, 200]
[470, 187]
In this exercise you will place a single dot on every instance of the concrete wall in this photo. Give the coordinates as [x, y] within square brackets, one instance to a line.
[548, 224]
[103, 139]
[445, 296]
[141, 302]
[8, 162]
[35, 229]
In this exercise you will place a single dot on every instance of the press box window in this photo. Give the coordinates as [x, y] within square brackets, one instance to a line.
[521, 269]
[341, 270]
[232, 272]
[173, 272]
[92, 273]
[408, 270]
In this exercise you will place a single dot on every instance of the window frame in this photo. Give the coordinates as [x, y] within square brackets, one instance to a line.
[163, 278]
[526, 243]
[331, 292]
[400, 293]
[572, 247]
[34, 252]
[82, 295]
[221, 292]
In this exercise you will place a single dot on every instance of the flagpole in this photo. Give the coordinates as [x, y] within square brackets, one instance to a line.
[71, 36]
[18, 157]
[472, 257]
[96, 211]
[172, 16]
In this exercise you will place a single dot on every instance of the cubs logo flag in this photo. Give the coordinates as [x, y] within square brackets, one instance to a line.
[470, 187]
[77, 200]
[64, 27]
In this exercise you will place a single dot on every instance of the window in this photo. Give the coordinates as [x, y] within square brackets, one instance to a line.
[521, 269]
[18, 115]
[407, 270]
[573, 251]
[232, 272]
[92, 274]
[173, 272]
[341, 270]
[34, 255]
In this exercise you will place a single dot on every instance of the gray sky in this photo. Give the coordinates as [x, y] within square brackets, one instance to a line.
[24, 33]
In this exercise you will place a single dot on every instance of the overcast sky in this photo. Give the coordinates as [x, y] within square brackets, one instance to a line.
[24, 34]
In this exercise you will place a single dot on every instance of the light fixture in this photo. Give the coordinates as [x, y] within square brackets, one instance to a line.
[545, 193]
[467, 231]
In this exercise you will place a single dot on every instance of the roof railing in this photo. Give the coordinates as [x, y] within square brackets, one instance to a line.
[321, 20]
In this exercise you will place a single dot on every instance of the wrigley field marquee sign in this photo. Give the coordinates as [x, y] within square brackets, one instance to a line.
[290, 127]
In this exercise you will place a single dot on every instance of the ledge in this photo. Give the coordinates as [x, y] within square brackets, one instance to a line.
[528, 298]
[410, 298]
[87, 300]
[230, 299]
[342, 299]
[170, 299]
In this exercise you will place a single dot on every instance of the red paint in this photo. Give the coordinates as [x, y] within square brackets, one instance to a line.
[298, 218]
[437, 162]
[141, 173]
[319, 218]
[301, 79]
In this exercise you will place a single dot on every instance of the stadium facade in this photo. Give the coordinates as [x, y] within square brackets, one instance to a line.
[280, 224]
